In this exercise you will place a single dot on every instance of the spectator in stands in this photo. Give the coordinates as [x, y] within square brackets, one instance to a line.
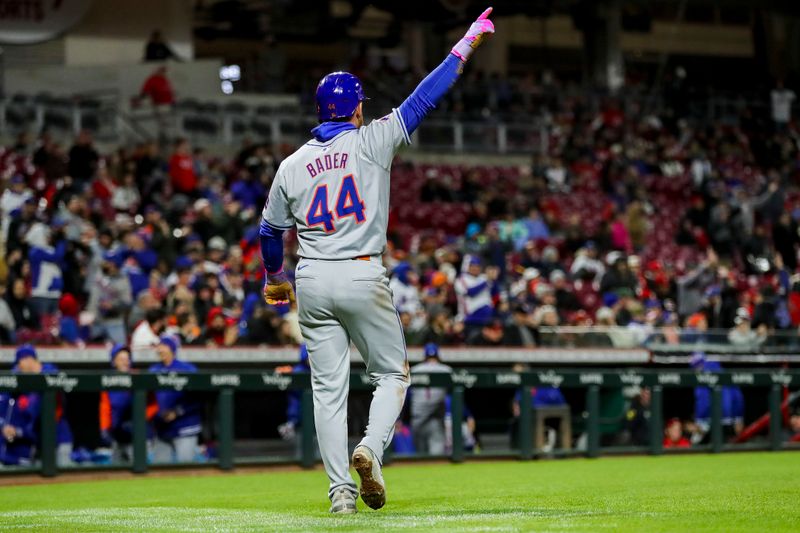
[618, 278]
[443, 330]
[743, 335]
[522, 329]
[156, 49]
[83, 161]
[786, 238]
[491, 333]
[110, 300]
[535, 229]
[721, 231]
[620, 236]
[26, 361]
[147, 333]
[474, 290]
[125, 197]
[693, 284]
[566, 301]
[8, 326]
[673, 435]
[405, 289]
[158, 89]
[178, 422]
[781, 100]
[181, 169]
[428, 406]
[220, 329]
[13, 201]
[46, 250]
[23, 312]
[586, 261]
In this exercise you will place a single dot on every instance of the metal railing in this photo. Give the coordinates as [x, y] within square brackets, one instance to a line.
[228, 125]
[225, 384]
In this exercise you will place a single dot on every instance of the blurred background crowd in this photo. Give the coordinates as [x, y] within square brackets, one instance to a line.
[630, 218]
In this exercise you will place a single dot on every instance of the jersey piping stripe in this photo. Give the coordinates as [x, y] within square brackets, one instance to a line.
[276, 226]
[403, 124]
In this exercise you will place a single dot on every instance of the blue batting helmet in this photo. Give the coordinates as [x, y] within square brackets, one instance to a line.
[338, 95]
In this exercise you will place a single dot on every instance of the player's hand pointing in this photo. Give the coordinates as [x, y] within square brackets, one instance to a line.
[278, 290]
[474, 36]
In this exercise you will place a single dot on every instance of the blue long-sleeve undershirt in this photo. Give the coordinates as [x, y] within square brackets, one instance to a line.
[413, 110]
[429, 92]
[271, 247]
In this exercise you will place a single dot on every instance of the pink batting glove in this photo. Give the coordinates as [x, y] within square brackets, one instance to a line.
[474, 36]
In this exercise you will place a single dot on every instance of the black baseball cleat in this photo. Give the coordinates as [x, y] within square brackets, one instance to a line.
[373, 490]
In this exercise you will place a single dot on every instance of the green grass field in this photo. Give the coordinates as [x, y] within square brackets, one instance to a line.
[732, 492]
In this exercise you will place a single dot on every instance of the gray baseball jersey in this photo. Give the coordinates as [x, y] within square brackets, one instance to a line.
[428, 402]
[337, 192]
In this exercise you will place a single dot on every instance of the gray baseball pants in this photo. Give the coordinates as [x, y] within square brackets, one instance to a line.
[340, 302]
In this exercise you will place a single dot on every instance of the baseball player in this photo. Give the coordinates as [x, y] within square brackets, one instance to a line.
[428, 406]
[335, 190]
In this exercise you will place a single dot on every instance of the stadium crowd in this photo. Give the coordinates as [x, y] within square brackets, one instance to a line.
[633, 219]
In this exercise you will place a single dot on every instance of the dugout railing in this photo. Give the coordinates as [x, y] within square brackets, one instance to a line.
[225, 384]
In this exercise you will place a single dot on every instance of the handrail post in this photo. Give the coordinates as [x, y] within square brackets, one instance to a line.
[525, 424]
[456, 417]
[307, 429]
[716, 419]
[656, 420]
[139, 431]
[593, 423]
[225, 412]
[775, 417]
[48, 429]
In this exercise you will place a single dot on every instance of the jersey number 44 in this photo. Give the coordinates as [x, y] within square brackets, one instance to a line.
[348, 204]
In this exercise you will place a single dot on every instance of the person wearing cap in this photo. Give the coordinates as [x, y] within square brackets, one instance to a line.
[110, 299]
[405, 289]
[20, 416]
[474, 293]
[47, 264]
[742, 334]
[732, 403]
[215, 256]
[178, 422]
[428, 407]
[116, 415]
[203, 224]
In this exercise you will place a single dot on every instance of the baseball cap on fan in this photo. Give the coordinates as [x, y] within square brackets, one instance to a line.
[217, 243]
